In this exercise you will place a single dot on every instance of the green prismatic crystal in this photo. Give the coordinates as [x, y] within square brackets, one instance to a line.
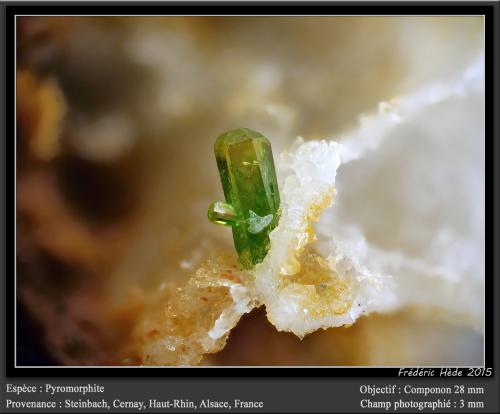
[246, 167]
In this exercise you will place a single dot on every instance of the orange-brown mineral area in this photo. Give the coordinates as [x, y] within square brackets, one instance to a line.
[174, 329]
[117, 263]
[327, 293]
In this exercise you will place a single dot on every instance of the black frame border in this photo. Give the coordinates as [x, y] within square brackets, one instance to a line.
[490, 10]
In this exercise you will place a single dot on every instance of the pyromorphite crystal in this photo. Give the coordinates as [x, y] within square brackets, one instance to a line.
[246, 167]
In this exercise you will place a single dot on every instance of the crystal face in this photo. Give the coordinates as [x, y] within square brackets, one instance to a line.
[222, 213]
[246, 167]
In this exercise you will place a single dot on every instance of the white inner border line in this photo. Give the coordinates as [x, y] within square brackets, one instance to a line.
[220, 366]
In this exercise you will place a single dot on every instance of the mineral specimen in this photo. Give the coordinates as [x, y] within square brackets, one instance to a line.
[319, 275]
[246, 167]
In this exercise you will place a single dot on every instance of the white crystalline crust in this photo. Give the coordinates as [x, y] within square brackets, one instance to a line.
[230, 317]
[443, 268]
[308, 189]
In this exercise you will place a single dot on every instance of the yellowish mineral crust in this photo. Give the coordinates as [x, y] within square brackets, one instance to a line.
[183, 323]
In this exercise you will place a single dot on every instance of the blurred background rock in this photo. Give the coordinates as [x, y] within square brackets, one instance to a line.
[116, 118]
